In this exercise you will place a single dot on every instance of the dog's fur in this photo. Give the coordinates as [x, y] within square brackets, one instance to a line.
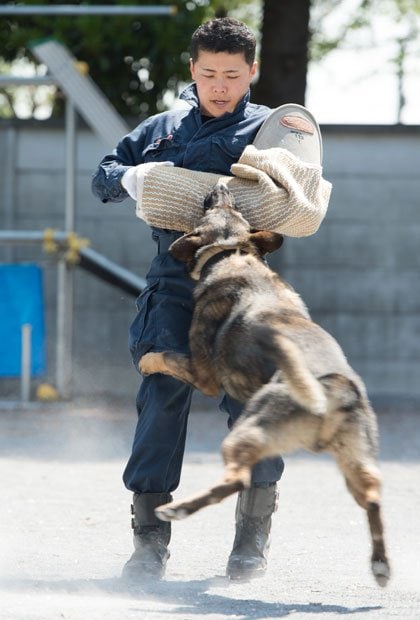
[252, 336]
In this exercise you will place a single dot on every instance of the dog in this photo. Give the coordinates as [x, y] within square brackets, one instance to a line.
[252, 336]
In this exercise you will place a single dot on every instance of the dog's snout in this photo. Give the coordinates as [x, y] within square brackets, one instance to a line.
[220, 196]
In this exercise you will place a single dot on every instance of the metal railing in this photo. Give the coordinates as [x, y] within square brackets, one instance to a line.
[70, 251]
[80, 9]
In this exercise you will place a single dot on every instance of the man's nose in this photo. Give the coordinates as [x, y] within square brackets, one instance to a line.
[219, 86]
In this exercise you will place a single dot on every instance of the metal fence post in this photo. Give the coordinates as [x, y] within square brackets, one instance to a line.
[65, 272]
[26, 362]
[9, 184]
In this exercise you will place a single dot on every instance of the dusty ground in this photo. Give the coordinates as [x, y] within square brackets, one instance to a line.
[65, 530]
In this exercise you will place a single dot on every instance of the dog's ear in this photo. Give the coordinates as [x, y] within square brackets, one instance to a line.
[185, 247]
[266, 241]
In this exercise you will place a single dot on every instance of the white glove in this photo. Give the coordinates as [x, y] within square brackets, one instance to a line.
[133, 177]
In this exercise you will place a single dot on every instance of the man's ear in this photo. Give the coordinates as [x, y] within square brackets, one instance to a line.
[266, 241]
[185, 247]
[192, 69]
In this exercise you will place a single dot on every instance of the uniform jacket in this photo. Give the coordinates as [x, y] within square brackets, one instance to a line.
[183, 137]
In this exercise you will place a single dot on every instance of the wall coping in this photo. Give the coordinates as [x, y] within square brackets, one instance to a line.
[58, 123]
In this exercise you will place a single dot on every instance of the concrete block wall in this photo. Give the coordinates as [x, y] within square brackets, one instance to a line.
[358, 274]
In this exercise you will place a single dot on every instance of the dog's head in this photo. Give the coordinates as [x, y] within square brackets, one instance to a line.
[221, 228]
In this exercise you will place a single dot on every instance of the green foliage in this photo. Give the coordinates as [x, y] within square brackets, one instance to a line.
[139, 62]
[134, 60]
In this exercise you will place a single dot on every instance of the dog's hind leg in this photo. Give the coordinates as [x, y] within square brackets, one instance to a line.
[351, 437]
[364, 483]
[273, 424]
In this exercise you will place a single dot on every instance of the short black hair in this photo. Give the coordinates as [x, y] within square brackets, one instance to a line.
[224, 34]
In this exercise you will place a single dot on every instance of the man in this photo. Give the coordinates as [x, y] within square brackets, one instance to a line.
[210, 136]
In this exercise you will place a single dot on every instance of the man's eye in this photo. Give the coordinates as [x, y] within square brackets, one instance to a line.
[233, 77]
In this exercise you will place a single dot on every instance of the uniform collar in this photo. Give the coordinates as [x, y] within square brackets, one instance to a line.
[190, 95]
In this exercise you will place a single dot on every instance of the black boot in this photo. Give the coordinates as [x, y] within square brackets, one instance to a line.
[151, 537]
[248, 558]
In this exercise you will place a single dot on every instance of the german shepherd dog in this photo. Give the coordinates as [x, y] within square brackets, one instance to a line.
[252, 336]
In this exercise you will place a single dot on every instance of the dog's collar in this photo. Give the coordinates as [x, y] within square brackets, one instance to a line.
[215, 258]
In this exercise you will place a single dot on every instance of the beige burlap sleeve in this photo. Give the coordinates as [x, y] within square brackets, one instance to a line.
[273, 190]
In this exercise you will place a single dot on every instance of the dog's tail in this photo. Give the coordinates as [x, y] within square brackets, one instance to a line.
[303, 386]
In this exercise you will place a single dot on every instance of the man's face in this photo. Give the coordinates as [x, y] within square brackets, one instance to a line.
[222, 80]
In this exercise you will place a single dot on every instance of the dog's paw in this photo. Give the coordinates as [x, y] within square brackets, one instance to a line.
[150, 363]
[381, 572]
[170, 513]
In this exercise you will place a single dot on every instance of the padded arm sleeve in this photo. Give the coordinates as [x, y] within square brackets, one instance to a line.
[273, 189]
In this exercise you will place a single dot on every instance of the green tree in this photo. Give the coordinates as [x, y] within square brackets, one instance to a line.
[139, 62]
[136, 61]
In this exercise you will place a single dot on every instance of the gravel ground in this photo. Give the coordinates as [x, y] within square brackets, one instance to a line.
[65, 527]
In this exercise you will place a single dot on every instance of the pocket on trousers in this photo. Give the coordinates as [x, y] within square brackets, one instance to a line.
[137, 334]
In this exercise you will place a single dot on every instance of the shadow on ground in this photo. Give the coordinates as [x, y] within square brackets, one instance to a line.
[184, 597]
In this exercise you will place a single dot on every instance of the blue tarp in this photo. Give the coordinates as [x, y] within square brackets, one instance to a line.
[21, 301]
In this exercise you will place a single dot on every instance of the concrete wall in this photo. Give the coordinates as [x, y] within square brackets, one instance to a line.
[358, 274]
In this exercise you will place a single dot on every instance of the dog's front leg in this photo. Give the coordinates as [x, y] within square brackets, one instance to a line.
[215, 494]
[178, 366]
